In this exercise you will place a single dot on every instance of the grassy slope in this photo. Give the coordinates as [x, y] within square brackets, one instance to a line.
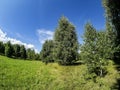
[35, 75]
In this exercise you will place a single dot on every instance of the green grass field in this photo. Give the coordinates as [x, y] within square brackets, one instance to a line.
[34, 75]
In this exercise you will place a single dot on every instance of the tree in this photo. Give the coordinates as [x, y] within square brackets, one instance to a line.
[89, 46]
[37, 56]
[110, 41]
[93, 50]
[66, 43]
[16, 48]
[9, 49]
[2, 48]
[47, 51]
[102, 53]
[88, 49]
[30, 54]
[23, 52]
[112, 8]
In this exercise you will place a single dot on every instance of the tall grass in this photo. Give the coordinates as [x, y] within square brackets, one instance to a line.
[34, 75]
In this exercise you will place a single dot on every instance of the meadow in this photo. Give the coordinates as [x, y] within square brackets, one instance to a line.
[20, 74]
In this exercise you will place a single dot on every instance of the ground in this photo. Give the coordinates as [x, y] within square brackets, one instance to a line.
[17, 74]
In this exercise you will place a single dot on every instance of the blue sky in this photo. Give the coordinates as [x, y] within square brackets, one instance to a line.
[33, 21]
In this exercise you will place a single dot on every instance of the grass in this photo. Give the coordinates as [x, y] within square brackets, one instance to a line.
[34, 75]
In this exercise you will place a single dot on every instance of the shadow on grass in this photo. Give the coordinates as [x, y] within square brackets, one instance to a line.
[117, 85]
[118, 81]
[73, 64]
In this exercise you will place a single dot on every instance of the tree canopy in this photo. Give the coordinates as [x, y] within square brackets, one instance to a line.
[66, 43]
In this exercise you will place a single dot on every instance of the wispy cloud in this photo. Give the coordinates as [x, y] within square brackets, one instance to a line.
[4, 38]
[19, 35]
[44, 34]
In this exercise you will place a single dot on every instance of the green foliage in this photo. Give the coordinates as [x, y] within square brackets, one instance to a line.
[88, 48]
[47, 51]
[16, 48]
[9, 49]
[112, 8]
[2, 48]
[30, 54]
[93, 51]
[18, 51]
[66, 44]
[23, 52]
[109, 41]
[37, 56]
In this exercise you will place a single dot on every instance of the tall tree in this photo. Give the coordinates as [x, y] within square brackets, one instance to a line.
[47, 51]
[30, 54]
[88, 48]
[16, 48]
[37, 56]
[112, 8]
[93, 51]
[2, 48]
[103, 52]
[9, 49]
[109, 41]
[23, 52]
[66, 43]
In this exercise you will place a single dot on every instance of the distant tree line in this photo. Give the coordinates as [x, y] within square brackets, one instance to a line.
[18, 51]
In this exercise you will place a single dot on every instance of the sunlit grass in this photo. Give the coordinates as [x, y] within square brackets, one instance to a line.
[34, 75]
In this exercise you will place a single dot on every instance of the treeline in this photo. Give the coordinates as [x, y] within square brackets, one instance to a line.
[98, 47]
[18, 51]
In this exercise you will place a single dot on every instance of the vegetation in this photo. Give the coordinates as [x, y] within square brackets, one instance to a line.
[113, 16]
[18, 51]
[47, 51]
[16, 48]
[99, 54]
[66, 44]
[23, 52]
[2, 48]
[92, 51]
[30, 54]
[8, 49]
[18, 74]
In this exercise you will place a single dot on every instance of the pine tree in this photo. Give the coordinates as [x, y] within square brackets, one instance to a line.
[47, 51]
[102, 54]
[37, 56]
[23, 52]
[16, 48]
[112, 11]
[88, 48]
[9, 49]
[2, 48]
[66, 43]
[93, 51]
[110, 41]
[30, 54]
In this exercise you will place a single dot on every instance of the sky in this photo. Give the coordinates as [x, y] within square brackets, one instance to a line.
[31, 22]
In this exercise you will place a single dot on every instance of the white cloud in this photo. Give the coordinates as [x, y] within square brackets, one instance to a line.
[4, 38]
[44, 35]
